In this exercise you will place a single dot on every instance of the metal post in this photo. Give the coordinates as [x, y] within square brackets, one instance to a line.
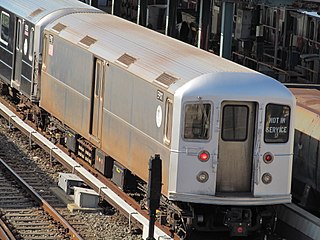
[200, 24]
[116, 8]
[154, 191]
[142, 12]
[138, 12]
[226, 30]
[171, 18]
[276, 44]
[112, 8]
[167, 18]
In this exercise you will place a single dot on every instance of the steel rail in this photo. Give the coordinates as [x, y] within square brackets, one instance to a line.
[44, 204]
[5, 233]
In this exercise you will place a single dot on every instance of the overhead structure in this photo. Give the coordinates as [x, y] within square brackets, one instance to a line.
[204, 7]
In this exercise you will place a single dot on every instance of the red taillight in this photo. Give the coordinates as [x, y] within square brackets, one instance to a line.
[268, 157]
[204, 156]
[240, 229]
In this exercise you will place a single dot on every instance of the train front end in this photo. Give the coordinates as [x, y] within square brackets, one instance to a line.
[232, 158]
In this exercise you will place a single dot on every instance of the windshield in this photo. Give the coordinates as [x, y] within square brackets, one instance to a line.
[197, 121]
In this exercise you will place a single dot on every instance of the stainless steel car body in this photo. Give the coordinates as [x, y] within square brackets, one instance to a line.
[113, 82]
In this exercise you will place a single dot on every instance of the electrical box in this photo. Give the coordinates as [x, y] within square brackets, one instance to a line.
[86, 198]
[103, 163]
[71, 141]
[123, 178]
[67, 182]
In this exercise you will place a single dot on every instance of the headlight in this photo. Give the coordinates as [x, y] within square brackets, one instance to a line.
[266, 178]
[202, 176]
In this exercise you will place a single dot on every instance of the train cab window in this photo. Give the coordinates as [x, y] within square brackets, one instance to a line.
[168, 123]
[277, 121]
[4, 27]
[235, 123]
[197, 121]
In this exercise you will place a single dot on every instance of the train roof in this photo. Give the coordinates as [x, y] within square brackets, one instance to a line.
[34, 10]
[144, 52]
[307, 98]
[310, 13]
[307, 111]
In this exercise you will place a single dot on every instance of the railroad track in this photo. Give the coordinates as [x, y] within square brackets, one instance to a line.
[119, 226]
[26, 213]
[107, 190]
[34, 165]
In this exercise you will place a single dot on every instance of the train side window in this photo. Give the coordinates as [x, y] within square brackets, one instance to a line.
[235, 123]
[168, 123]
[18, 41]
[197, 121]
[277, 121]
[4, 28]
[31, 44]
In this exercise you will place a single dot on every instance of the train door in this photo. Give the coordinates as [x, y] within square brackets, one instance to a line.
[17, 64]
[97, 99]
[234, 171]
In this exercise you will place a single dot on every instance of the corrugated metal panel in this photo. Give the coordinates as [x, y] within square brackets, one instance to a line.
[34, 10]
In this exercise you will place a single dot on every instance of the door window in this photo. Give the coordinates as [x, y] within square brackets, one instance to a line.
[235, 123]
[97, 78]
[168, 123]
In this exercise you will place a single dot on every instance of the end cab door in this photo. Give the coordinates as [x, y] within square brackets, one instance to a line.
[235, 150]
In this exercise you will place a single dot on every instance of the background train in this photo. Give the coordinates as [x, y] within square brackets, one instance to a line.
[305, 182]
[116, 93]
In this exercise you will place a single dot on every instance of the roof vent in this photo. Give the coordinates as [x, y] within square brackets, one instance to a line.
[36, 12]
[166, 79]
[126, 59]
[59, 27]
[88, 41]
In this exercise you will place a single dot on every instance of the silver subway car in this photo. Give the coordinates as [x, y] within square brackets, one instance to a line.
[21, 26]
[224, 132]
